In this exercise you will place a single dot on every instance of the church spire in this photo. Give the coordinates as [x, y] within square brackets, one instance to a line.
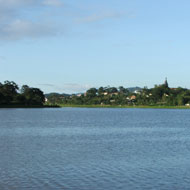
[166, 82]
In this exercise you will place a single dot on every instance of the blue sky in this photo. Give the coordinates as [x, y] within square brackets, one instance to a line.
[70, 46]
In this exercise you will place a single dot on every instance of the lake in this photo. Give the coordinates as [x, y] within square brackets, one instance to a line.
[94, 149]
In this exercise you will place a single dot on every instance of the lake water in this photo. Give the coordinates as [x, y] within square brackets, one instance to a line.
[94, 149]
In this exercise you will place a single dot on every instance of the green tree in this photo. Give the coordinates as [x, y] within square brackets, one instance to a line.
[100, 91]
[91, 93]
[33, 96]
[8, 92]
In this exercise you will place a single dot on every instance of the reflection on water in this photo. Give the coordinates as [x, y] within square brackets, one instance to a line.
[94, 149]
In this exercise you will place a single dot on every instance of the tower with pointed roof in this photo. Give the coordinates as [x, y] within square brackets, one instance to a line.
[166, 83]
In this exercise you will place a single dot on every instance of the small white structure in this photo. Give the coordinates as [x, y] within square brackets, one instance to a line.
[137, 92]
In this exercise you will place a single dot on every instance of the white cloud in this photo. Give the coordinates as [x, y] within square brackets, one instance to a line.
[34, 25]
[65, 88]
[99, 17]
[20, 29]
[25, 19]
[74, 87]
[13, 4]
[18, 3]
[53, 3]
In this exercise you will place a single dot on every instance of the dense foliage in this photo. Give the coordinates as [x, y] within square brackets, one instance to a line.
[10, 94]
[159, 95]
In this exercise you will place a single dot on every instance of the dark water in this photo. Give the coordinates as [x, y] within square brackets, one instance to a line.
[94, 149]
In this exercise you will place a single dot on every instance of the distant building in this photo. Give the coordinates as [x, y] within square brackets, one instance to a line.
[166, 95]
[133, 97]
[115, 93]
[137, 92]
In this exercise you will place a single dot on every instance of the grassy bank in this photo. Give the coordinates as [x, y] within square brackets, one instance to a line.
[94, 106]
[123, 106]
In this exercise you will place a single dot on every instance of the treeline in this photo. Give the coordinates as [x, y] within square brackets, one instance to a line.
[159, 95]
[11, 95]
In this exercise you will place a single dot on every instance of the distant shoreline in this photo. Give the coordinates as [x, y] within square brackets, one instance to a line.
[95, 106]
[122, 106]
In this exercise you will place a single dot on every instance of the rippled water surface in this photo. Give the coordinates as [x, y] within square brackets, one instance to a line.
[94, 149]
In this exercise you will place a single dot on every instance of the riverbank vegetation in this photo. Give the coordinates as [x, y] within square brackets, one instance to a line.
[12, 96]
[161, 96]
